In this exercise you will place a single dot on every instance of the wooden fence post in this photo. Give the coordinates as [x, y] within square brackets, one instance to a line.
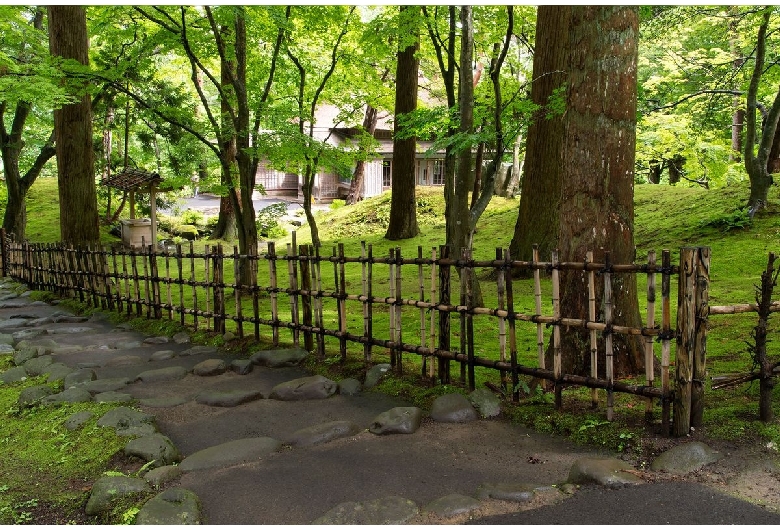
[398, 311]
[444, 315]
[701, 301]
[510, 309]
[154, 270]
[274, 296]
[3, 253]
[238, 289]
[342, 301]
[666, 328]
[308, 340]
[219, 289]
[366, 273]
[649, 356]
[686, 339]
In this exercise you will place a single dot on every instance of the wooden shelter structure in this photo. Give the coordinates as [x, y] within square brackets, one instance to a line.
[132, 180]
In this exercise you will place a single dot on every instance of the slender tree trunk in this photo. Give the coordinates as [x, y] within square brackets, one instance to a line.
[403, 204]
[356, 186]
[597, 194]
[73, 132]
[539, 211]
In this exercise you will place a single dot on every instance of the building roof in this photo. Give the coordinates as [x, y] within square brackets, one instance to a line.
[132, 179]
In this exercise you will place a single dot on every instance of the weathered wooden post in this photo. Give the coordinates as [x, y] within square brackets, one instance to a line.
[308, 340]
[219, 289]
[444, 315]
[701, 301]
[3, 253]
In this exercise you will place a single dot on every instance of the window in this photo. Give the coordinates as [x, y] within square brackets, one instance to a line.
[387, 173]
[438, 172]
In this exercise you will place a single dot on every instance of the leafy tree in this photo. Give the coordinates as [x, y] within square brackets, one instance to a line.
[73, 129]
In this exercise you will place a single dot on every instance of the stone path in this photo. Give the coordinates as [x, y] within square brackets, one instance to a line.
[259, 441]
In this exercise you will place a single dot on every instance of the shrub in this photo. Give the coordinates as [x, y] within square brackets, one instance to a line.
[267, 221]
[192, 217]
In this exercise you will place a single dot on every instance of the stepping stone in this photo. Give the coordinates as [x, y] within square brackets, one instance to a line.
[77, 419]
[228, 398]
[323, 433]
[175, 506]
[685, 458]
[312, 387]
[80, 377]
[68, 319]
[453, 408]
[157, 340]
[98, 386]
[35, 322]
[26, 333]
[159, 476]
[172, 373]
[124, 360]
[71, 330]
[210, 367]
[12, 304]
[57, 372]
[231, 453]
[38, 365]
[602, 471]
[155, 447]
[486, 402]
[280, 358]
[106, 491]
[452, 505]
[350, 387]
[398, 420]
[113, 397]
[33, 395]
[70, 395]
[388, 510]
[123, 418]
[199, 350]
[162, 355]
[242, 366]
[13, 375]
[25, 354]
[503, 491]
[162, 402]
[375, 373]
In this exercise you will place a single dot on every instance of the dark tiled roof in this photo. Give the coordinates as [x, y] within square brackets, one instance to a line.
[132, 179]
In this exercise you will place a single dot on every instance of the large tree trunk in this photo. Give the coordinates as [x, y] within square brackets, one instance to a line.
[597, 199]
[403, 203]
[73, 133]
[539, 212]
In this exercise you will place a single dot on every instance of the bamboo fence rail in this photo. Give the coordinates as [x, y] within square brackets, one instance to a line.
[403, 306]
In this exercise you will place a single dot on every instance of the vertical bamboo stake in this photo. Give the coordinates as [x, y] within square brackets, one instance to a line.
[649, 355]
[238, 287]
[169, 298]
[274, 297]
[207, 314]
[469, 279]
[391, 263]
[702, 311]
[398, 310]
[432, 334]
[421, 283]
[594, 357]
[194, 289]
[342, 288]
[510, 309]
[118, 290]
[462, 316]
[293, 269]
[501, 290]
[154, 270]
[538, 300]
[318, 302]
[556, 298]
[366, 302]
[666, 326]
[136, 286]
[127, 281]
[444, 315]
[180, 266]
[305, 254]
[145, 258]
[686, 339]
[608, 334]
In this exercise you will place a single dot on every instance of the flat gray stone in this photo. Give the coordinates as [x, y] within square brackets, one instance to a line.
[159, 476]
[242, 366]
[181, 337]
[312, 387]
[107, 490]
[486, 402]
[14, 375]
[145, 429]
[57, 372]
[15, 323]
[13, 304]
[25, 354]
[123, 418]
[452, 505]
[323, 433]
[398, 420]
[685, 458]
[504, 491]
[453, 408]
[350, 387]
[231, 453]
[228, 398]
[124, 360]
[174, 506]
[375, 373]
[69, 395]
[70, 330]
[78, 419]
[162, 355]
[603, 471]
[6, 338]
[6, 349]
[38, 365]
[79, 377]
[157, 340]
[172, 373]
[30, 333]
[128, 345]
[32, 395]
[279, 358]
[388, 510]
[113, 397]
[199, 350]
[98, 386]
[210, 367]
[153, 448]
[162, 402]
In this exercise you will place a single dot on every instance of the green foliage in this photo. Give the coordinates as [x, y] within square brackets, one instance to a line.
[337, 203]
[268, 221]
[736, 220]
[192, 217]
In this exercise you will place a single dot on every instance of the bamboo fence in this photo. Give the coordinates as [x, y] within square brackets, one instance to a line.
[402, 306]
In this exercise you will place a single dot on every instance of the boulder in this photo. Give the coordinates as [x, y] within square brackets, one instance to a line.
[23, 355]
[13, 375]
[175, 506]
[452, 505]
[386, 511]
[313, 387]
[210, 367]
[279, 358]
[124, 418]
[162, 355]
[153, 448]
[602, 471]
[33, 395]
[37, 366]
[241, 366]
[69, 395]
[113, 397]
[399, 420]
[350, 387]
[453, 408]
[374, 374]
[157, 340]
[486, 402]
[79, 377]
[182, 337]
[77, 419]
[57, 372]
[99, 386]
[107, 490]
[159, 476]
[685, 458]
